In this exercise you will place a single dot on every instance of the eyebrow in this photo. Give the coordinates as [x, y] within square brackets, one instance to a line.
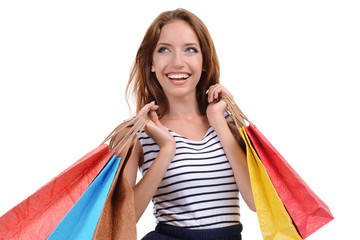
[187, 44]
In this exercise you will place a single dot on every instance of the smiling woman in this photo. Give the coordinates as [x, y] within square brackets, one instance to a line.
[177, 60]
[193, 167]
[146, 87]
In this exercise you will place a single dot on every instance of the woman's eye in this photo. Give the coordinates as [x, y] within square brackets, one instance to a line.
[192, 50]
[163, 50]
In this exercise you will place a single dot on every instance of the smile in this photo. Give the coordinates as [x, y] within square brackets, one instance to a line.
[178, 78]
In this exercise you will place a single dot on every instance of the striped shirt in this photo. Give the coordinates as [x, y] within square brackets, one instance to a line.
[198, 190]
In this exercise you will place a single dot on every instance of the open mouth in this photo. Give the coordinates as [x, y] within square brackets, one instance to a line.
[178, 78]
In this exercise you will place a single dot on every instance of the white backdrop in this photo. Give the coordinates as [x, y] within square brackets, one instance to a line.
[292, 66]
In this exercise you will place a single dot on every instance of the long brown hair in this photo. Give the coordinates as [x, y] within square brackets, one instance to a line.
[144, 84]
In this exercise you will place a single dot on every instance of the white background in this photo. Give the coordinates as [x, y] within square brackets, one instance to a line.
[292, 66]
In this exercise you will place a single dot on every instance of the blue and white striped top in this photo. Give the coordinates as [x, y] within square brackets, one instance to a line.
[198, 190]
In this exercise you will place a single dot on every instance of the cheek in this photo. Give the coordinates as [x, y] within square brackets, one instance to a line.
[159, 79]
[159, 62]
[198, 64]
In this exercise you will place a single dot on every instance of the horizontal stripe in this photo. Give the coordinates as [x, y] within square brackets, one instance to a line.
[192, 151]
[197, 194]
[193, 187]
[200, 210]
[196, 165]
[185, 159]
[149, 144]
[198, 149]
[203, 217]
[196, 152]
[143, 137]
[198, 202]
[194, 179]
[152, 151]
[193, 165]
[228, 223]
[193, 172]
[194, 143]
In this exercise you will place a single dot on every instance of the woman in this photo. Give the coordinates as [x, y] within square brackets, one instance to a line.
[192, 165]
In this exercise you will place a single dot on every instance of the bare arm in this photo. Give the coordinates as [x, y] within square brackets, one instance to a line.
[232, 149]
[147, 186]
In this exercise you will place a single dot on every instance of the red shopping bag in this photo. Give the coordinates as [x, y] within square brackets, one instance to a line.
[38, 215]
[307, 210]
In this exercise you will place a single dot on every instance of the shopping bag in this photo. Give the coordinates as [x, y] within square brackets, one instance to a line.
[275, 222]
[117, 219]
[310, 212]
[306, 209]
[38, 215]
[80, 222]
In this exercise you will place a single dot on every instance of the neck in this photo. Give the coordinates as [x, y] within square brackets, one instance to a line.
[183, 108]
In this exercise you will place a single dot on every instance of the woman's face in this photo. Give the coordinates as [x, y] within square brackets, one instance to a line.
[177, 59]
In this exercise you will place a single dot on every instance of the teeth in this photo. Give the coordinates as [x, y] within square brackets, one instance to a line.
[178, 76]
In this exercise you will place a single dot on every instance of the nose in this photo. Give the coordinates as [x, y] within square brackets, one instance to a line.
[178, 60]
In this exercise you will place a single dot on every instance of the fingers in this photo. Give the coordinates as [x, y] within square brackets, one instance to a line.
[148, 107]
[214, 92]
[154, 117]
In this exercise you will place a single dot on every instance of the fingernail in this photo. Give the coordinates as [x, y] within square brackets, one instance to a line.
[207, 91]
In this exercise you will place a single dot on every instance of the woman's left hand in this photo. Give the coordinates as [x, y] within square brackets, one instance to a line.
[216, 107]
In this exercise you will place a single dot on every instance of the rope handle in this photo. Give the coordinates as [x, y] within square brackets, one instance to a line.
[124, 136]
[234, 111]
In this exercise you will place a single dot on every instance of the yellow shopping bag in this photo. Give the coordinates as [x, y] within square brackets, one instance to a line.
[275, 222]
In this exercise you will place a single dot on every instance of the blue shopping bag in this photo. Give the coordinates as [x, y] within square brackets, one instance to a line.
[80, 222]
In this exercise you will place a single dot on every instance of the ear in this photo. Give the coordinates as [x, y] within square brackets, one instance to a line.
[152, 68]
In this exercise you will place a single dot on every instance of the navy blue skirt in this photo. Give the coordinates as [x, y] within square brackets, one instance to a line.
[167, 232]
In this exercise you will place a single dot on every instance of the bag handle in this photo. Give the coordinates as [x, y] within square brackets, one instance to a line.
[234, 111]
[124, 136]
